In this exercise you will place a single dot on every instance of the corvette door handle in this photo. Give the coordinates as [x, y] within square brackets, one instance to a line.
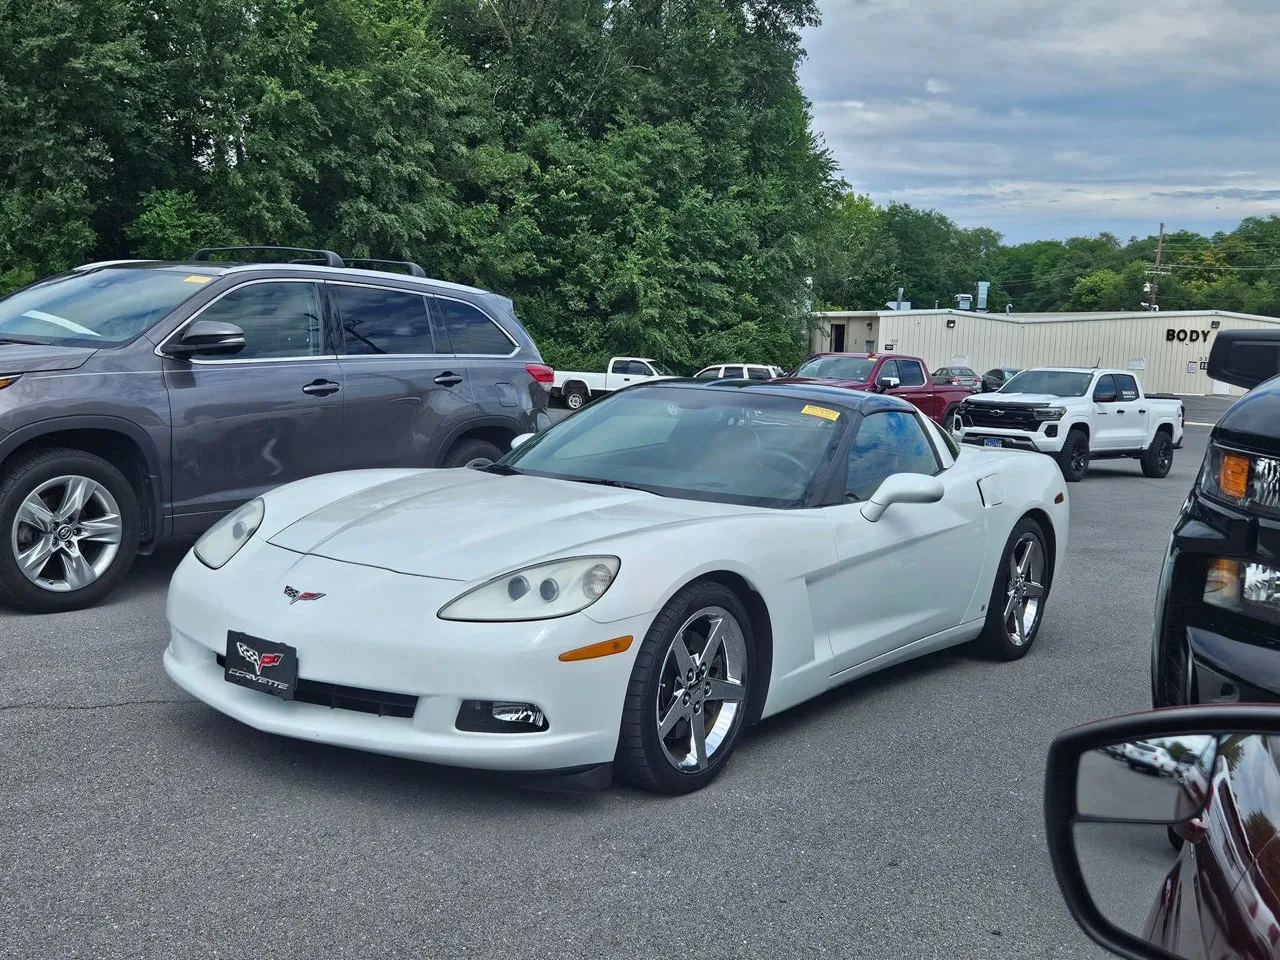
[321, 388]
[448, 379]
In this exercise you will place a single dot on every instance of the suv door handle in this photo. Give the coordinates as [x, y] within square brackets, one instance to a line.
[448, 379]
[321, 388]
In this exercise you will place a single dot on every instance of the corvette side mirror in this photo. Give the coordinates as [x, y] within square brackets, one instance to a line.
[521, 439]
[1143, 810]
[902, 488]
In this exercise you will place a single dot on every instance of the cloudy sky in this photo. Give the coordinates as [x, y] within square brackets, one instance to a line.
[1051, 118]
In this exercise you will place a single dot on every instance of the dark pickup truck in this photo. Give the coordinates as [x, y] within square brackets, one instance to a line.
[895, 373]
[1218, 600]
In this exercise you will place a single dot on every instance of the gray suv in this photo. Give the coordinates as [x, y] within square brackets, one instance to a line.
[142, 400]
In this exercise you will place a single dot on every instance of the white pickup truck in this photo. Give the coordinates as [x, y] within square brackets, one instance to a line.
[577, 388]
[1075, 415]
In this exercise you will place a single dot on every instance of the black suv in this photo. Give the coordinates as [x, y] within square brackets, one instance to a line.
[1217, 629]
[141, 400]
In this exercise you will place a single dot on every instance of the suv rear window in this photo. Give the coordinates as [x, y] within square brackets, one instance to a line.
[470, 331]
[98, 308]
[376, 320]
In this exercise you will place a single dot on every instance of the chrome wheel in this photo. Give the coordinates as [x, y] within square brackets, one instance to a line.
[574, 401]
[66, 533]
[1025, 589]
[701, 688]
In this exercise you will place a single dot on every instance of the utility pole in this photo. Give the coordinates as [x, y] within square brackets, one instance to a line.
[1151, 287]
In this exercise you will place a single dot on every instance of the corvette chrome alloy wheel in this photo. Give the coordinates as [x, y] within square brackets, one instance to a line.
[701, 688]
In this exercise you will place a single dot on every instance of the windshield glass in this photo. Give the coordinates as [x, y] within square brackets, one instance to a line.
[837, 368]
[691, 442]
[663, 369]
[100, 308]
[1059, 383]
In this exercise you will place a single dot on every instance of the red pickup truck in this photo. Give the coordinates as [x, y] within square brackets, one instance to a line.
[902, 376]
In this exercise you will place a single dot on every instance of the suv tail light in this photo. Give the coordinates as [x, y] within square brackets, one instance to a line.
[541, 372]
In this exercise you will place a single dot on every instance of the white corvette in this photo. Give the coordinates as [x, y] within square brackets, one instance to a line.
[624, 592]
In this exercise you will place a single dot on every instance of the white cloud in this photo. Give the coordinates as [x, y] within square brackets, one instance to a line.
[1019, 111]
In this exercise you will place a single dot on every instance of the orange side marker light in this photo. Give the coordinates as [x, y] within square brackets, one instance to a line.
[602, 649]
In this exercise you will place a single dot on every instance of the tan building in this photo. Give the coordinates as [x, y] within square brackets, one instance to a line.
[1169, 350]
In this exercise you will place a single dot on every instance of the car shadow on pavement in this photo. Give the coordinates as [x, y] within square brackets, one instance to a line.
[269, 763]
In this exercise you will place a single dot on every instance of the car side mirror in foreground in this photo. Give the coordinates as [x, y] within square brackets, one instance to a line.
[207, 336]
[521, 439]
[1156, 824]
[1245, 358]
[888, 383]
[902, 488]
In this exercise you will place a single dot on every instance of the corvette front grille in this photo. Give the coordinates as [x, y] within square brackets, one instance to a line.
[335, 696]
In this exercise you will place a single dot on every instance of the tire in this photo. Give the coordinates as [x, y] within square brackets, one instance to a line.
[471, 453]
[575, 398]
[948, 418]
[1073, 458]
[672, 763]
[1158, 457]
[80, 564]
[1006, 635]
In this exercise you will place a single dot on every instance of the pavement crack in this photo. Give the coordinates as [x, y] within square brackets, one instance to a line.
[63, 707]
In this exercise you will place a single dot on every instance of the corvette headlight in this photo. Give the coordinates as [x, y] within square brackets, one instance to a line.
[540, 592]
[224, 539]
[1252, 589]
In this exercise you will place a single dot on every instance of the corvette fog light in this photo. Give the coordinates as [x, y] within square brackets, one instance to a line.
[500, 716]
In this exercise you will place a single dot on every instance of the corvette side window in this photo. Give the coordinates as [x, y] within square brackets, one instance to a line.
[887, 443]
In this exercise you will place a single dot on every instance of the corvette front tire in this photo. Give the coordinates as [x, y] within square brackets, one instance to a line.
[686, 702]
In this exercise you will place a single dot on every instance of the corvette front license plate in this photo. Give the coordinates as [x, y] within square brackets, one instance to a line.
[991, 442]
[261, 665]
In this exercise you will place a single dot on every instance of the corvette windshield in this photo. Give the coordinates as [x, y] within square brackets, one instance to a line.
[732, 446]
[837, 368]
[1058, 383]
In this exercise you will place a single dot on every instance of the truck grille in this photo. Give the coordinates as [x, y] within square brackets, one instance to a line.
[1000, 418]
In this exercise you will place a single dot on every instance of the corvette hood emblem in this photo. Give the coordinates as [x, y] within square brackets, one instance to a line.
[295, 595]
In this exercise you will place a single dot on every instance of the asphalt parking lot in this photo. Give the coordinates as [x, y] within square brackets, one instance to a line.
[899, 816]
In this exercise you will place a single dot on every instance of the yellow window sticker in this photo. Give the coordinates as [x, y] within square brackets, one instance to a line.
[824, 412]
[196, 278]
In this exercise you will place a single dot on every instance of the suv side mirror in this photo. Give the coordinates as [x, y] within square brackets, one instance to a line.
[888, 383]
[207, 336]
[902, 488]
[1140, 809]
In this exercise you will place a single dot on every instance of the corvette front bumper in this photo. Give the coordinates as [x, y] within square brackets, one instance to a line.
[377, 632]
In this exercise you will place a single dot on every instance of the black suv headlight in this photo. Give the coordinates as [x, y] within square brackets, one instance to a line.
[1242, 479]
[1252, 589]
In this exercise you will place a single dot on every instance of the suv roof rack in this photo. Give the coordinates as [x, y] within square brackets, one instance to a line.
[325, 258]
[411, 268]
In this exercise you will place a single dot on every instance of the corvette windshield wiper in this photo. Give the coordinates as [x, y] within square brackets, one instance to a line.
[501, 469]
[601, 482]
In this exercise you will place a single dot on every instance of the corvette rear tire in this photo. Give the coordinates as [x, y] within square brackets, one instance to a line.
[686, 702]
[1021, 589]
[69, 530]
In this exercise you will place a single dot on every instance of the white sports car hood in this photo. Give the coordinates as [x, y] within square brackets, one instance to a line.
[466, 525]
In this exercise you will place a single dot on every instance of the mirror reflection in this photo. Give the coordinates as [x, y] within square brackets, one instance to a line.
[1158, 780]
[1201, 876]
